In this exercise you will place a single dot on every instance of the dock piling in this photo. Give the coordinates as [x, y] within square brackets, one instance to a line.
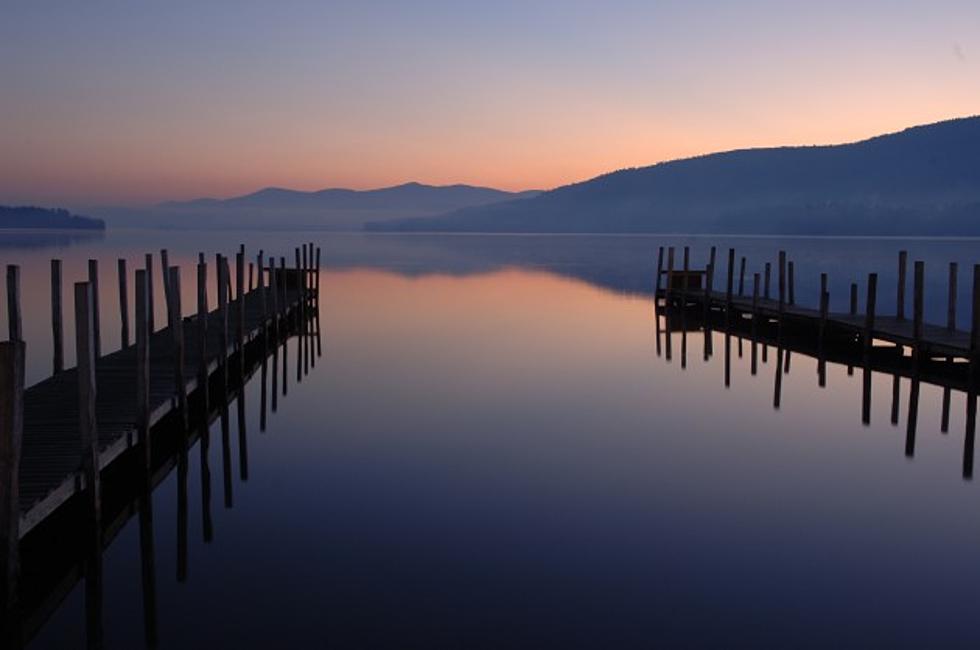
[903, 257]
[93, 281]
[12, 355]
[57, 320]
[14, 321]
[123, 304]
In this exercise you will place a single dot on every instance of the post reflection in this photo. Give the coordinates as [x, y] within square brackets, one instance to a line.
[889, 361]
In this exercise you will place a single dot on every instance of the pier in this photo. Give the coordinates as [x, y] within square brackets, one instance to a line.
[61, 436]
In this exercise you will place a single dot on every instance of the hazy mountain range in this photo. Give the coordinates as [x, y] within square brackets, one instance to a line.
[330, 209]
[922, 181]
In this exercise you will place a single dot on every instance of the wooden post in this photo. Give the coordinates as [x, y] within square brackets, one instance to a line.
[88, 428]
[711, 258]
[903, 257]
[284, 306]
[792, 282]
[767, 280]
[142, 309]
[917, 306]
[240, 315]
[670, 272]
[274, 290]
[741, 277]
[12, 355]
[123, 304]
[57, 321]
[869, 311]
[660, 268]
[202, 334]
[149, 292]
[260, 266]
[223, 320]
[854, 299]
[307, 254]
[730, 286]
[319, 343]
[782, 281]
[15, 324]
[251, 276]
[706, 302]
[687, 259]
[951, 300]
[177, 331]
[165, 273]
[93, 280]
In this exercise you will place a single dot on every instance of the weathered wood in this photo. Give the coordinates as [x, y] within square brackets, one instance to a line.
[730, 285]
[903, 257]
[12, 355]
[123, 304]
[791, 269]
[93, 280]
[149, 292]
[711, 258]
[87, 427]
[319, 343]
[263, 297]
[854, 299]
[670, 270]
[741, 277]
[165, 276]
[782, 281]
[142, 309]
[222, 267]
[951, 298]
[768, 280]
[202, 332]
[177, 331]
[14, 322]
[57, 318]
[240, 309]
[660, 269]
[687, 258]
[869, 310]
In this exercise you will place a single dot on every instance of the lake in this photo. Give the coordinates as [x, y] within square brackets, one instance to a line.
[491, 453]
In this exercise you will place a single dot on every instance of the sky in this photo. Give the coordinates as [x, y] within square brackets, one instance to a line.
[113, 103]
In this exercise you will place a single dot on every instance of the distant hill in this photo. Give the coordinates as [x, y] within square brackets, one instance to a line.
[34, 217]
[922, 181]
[332, 209]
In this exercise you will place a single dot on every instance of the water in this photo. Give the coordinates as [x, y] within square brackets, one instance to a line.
[490, 453]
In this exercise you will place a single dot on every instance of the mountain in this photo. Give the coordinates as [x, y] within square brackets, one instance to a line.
[35, 217]
[332, 209]
[924, 180]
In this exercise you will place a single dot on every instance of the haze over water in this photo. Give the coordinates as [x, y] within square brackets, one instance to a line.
[490, 453]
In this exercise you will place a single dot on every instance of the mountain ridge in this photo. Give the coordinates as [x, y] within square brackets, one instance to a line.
[923, 179]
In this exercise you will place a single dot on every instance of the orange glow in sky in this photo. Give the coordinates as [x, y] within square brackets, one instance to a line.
[125, 107]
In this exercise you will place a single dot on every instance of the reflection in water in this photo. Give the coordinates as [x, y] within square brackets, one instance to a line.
[129, 491]
[890, 360]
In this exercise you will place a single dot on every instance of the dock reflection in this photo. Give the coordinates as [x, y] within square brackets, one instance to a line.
[892, 361]
[51, 569]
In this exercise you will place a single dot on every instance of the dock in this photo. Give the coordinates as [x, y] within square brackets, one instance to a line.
[60, 436]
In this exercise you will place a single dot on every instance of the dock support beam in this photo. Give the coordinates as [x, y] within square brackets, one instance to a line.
[142, 309]
[903, 258]
[15, 324]
[123, 304]
[57, 320]
[12, 355]
[93, 281]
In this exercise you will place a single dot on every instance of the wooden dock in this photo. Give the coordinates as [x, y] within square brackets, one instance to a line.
[927, 339]
[58, 437]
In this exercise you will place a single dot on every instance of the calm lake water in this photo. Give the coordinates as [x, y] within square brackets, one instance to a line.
[491, 454]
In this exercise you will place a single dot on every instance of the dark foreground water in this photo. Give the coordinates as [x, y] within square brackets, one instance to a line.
[491, 454]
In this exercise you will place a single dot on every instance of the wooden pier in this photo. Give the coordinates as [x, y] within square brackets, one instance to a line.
[928, 340]
[61, 435]
[894, 345]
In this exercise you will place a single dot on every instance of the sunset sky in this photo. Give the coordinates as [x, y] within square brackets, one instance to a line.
[133, 103]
